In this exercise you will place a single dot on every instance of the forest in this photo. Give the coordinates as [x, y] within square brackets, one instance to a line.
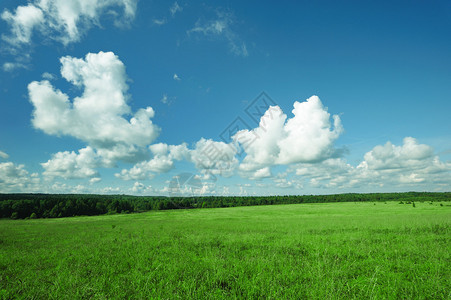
[24, 206]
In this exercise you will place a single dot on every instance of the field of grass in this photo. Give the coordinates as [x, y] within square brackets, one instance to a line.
[330, 250]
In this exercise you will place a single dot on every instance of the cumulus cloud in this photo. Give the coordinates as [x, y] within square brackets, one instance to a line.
[284, 183]
[210, 157]
[176, 77]
[214, 158]
[260, 144]
[308, 136]
[14, 178]
[162, 161]
[261, 173]
[410, 165]
[100, 115]
[409, 155]
[330, 173]
[65, 21]
[221, 28]
[122, 152]
[140, 188]
[9, 170]
[70, 165]
[23, 21]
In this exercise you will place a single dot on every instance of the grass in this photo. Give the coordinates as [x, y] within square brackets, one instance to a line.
[322, 251]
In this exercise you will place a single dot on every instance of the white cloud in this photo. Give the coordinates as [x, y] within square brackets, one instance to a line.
[175, 8]
[159, 149]
[176, 77]
[214, 27]
[137, 172]
[261, 143]
[64, 188]
[23, 22]
[409, 166]
[14, 178]
[187, 184]
[62, 20]
[3, 155]
[122, 152]
[159, 22]
[10, 170]
[283, 182]
[11, 66]
[332, 173]
[167, 100]
[411, 163]
[411, 178]
[95, 180]
[211, 157]
[221, 28]
[162, 162]
[164, 99]
[261, 173]
[98, 115]
[140, 188]
[306, 137]
[111, 190]
[410, 154]
[208, 188]
[243, 191]
[225, 191]
[48, 76]
[310, 131]
[158, 164]
[71, 165]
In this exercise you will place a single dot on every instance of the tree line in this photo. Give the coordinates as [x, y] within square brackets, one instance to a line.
[22, 206]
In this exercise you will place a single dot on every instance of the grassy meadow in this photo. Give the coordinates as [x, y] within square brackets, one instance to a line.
[321, 251]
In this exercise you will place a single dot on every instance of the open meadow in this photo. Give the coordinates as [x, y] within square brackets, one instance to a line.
[328, 250]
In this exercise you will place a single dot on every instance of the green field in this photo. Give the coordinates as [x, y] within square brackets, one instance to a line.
[330, 250]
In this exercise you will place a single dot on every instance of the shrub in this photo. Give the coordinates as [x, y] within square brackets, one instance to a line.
[33, 216]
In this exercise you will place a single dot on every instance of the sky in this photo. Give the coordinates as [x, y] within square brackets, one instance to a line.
[225, 97]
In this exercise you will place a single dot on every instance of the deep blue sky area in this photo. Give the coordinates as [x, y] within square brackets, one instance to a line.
[381, 67]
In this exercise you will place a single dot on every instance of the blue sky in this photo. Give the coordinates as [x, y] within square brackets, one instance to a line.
[124, 96]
